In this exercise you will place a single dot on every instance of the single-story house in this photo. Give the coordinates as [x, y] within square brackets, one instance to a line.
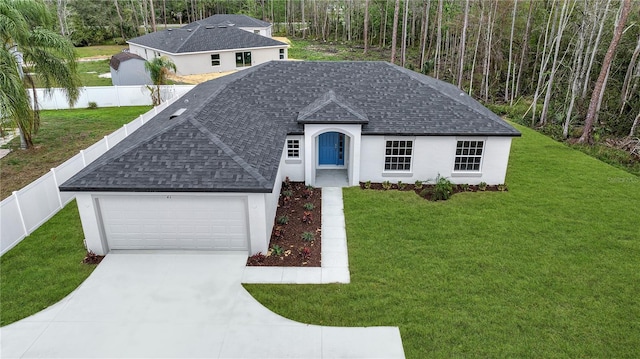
[128, 69]
[206, 172]
[218, 43]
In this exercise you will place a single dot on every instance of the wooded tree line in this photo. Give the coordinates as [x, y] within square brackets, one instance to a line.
[549, 58]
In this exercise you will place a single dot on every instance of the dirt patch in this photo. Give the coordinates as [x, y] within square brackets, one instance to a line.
[199, 78]
[296, 236]
[95, 58]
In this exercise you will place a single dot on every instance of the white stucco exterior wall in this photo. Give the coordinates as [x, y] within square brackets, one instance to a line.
[435, 155]
[264, 31]
[293, 167]
[200, 62]
[90, 224]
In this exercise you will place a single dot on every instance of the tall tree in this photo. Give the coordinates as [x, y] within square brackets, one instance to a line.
[405, 18]
[365, 31]
[26, 39]
[463, 43]
[513, 25]
[598, 90]
[152, 11]
[436, 62]
[394, 35]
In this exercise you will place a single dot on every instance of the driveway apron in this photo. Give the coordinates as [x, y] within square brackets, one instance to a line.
[180, 304]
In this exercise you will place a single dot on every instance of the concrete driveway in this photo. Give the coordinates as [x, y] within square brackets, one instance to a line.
[180, 304]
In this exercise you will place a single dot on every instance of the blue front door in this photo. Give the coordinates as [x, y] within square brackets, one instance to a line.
[331, 149]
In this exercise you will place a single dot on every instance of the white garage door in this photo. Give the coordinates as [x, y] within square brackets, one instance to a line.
[174, 222]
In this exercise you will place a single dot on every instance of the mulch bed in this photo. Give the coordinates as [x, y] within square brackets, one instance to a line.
[426, 191]
[296, 252]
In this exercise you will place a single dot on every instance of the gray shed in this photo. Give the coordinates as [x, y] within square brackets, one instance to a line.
[128, 69]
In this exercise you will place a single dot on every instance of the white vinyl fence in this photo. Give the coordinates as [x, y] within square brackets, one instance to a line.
[25, 210]
[106, 96]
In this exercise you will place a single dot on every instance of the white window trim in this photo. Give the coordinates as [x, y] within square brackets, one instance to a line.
[399, 173]
[298, 149]
[466, 173]
[218, 59]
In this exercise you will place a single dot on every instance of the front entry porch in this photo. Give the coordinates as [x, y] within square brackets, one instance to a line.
[332, 178]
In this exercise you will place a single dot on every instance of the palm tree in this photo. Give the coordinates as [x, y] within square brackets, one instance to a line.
[159, 68]
[49, 58]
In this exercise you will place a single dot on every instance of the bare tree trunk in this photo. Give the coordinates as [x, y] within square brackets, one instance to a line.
[562, 23]
[60, 11]
[404, 32]
[475, 51]
[463, 43]
[513, 25]
[523, 53]
[425, 31]
[487, 60]
[545, 60]
[304, 27]
[576, 75]
[629, 76]
[366, 26]
[595, 49]
[598, 91]
[634, 127]
[436, 62]
[153, 16]
[394, 35]
[164, 13]
[120, 18]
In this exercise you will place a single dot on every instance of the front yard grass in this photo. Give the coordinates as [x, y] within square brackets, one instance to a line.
[548, 269]
[44, 267]
[63, 133]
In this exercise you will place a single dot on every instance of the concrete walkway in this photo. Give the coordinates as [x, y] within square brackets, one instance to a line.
[335, 259]
[140, 304]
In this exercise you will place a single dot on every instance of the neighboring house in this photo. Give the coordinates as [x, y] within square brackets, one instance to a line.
[206, 172]
[216, 44]
[128, 69]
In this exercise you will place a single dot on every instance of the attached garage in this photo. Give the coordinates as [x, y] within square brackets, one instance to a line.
[174, 222]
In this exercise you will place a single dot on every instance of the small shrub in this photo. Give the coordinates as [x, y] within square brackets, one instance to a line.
[287, 183]
[308, 206]
[482, 186]
[502, 187]
[92, 105]
[277, 250]
[424, 193]
[386, 185]
[278, 232]
[307, 217]
[92, 258]
[305, 253]
[442, 189]
[418, 184]
[310, 187]
[401, 186]
[308, 236]
[287, 193]
[307, 193]
[257, 258]
[367, 185]
[283, 220]
[465, 187]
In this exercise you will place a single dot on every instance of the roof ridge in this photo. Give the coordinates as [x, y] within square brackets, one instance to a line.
[191, 32]
[496, 119]
[230, 152]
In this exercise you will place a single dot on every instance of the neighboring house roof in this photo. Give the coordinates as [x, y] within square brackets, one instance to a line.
[121, 57]
[232, 134]
[204, 38]
[237, 20]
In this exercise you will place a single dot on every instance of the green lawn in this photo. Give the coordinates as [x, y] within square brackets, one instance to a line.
[63, 133]
[90, 70]
[44, 267]
[549, 269]
[99, 50]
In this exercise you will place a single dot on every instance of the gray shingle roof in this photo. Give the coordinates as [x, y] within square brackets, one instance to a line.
[237, 20]
[204, 38]
[232, 135]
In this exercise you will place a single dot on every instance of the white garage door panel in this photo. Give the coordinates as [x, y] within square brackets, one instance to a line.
[174, 222]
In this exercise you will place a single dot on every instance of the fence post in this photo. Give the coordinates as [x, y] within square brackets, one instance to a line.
[126, 132]
[84, 162]
[142, 119]
[24, 226]
[106, 142]
[117, 95]
[55, 180]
